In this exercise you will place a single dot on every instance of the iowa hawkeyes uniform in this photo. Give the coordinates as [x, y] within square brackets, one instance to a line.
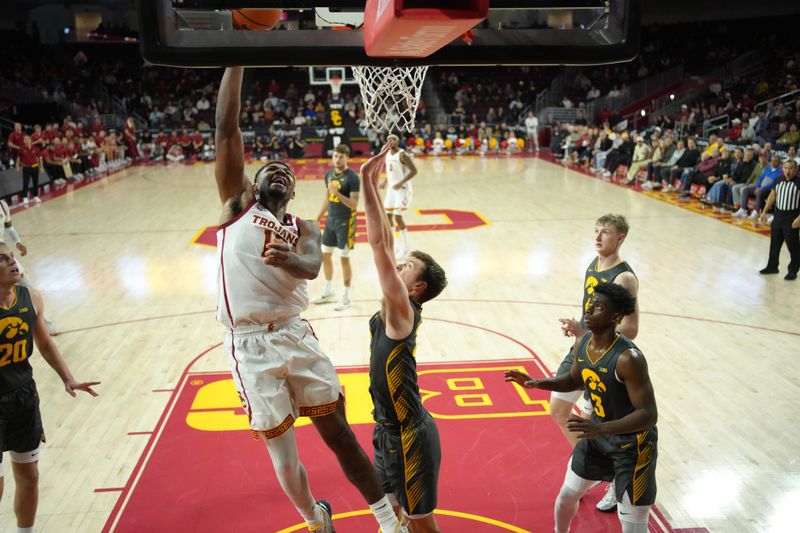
[20, 420]
[340, 225]
[406, 442]
[630, 459]
[592, 278]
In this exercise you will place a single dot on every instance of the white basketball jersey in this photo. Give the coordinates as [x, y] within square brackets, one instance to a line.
[5, 216]
[251, 292]
[395, 169]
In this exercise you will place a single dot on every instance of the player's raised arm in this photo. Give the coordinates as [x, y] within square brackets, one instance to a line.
[399, 313]
[229, 169]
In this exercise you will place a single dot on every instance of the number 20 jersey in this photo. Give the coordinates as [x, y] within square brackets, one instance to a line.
[16, 341]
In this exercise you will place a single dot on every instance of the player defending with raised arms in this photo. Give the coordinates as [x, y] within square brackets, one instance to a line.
[619, 443]
[400, 170]
[266, 256]
[22, 325]
[407, 447]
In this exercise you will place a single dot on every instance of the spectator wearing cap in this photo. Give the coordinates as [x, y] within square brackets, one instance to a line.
[735, 132]
[642, 155]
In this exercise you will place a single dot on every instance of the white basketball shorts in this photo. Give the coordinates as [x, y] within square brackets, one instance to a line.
[397, 199]
[281, 373]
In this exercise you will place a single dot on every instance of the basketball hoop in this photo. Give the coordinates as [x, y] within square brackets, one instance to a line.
[391, 95]
[336, 85]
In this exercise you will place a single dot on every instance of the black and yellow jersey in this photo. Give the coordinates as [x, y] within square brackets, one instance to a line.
[393, 373]
[347, 183]
[595, 277]
[609, 396]
[16, 341]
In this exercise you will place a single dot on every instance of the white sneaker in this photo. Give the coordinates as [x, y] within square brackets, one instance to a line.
[325, 298]
[25, 201]
[327, 525]
[344, 304]
[37, 199]
[609, 502]
[741, 213]
[754, 215]
[769, 219]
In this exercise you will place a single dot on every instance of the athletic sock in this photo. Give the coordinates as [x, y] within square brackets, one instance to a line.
[328, 287]
[384, 514]
[346, 293]
[24, 529]
[314, 518]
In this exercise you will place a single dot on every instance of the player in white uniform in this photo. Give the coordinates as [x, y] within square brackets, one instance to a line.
[265, 257]
[8, 229]
[400, 170]
[532, 129]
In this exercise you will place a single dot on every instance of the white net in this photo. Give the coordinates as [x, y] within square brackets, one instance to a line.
[391, 95]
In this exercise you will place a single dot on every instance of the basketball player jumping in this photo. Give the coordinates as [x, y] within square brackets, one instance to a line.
[266, 256]
[407, 447]
[400, 170]
[610, 232]
[620, 442]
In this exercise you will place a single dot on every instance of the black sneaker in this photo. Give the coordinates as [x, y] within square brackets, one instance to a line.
[768, 271]
[791, 276]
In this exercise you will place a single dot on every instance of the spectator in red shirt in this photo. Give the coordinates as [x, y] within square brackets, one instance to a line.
[37, 137]
[161, 146]
[97, 127]
[186, 143]
[53, 164]
[130, 138]
[173, 140]
[736, 130]
[197, 143]
[48, 134]
[29, 159]
[15, 140]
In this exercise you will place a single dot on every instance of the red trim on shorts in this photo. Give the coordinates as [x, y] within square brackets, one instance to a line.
[244, 210]
[244, 391]
[230, 316]
[311, 328]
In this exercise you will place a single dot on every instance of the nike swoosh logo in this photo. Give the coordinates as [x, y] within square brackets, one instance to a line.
[623, 446]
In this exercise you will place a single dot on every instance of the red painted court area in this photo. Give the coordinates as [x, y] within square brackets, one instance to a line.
[503, 460]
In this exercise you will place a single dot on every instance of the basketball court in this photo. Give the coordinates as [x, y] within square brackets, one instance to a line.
[127, 265]
[165, 446]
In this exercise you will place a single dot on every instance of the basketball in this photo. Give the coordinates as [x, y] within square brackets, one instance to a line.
[256, 19]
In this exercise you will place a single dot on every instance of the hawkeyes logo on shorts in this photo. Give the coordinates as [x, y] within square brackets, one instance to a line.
[12, 327]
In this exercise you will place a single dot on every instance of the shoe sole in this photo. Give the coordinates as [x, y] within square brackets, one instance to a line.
[328, 509]
[320, 301]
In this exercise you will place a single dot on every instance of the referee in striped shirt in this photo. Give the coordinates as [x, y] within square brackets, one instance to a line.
[785, 196]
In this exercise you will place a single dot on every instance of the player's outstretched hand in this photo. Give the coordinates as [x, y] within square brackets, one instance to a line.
[371, 170]
[23, 250]
[277, 254]
[571, 327]
[72, 385]
[520, 378]
[585, 429]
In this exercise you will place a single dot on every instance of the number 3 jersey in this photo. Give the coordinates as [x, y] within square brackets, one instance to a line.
[16, 341]
[609, 396]
[250, 292]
